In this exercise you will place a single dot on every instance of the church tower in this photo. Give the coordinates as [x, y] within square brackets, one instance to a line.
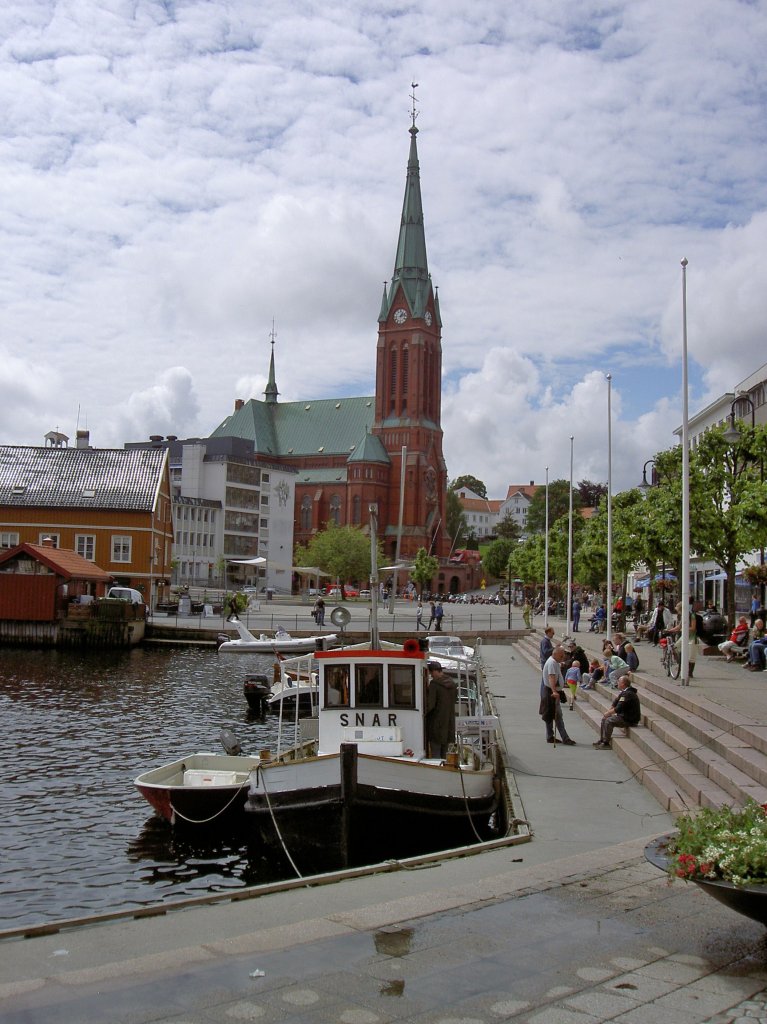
[408, 383]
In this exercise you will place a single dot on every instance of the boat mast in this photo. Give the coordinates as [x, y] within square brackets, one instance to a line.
[375, 639]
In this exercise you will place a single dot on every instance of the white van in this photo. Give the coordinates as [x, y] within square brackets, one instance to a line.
[126, 594]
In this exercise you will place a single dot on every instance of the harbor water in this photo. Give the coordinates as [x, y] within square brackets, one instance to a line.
[78, 727]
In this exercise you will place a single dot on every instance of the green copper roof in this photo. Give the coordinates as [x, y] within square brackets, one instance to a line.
[411, 269]
[370, 449]
[329, 426]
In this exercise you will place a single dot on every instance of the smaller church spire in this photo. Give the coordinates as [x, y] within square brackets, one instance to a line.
[271, 391]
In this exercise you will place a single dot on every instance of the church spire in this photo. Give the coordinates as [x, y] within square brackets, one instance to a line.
[411, 269]
[271, 391]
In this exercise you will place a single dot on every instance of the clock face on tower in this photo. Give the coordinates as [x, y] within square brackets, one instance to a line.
[427, 318]
[400, 316]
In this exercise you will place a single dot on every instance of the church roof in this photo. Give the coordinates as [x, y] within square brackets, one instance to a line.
[370, 449]
[326, 426]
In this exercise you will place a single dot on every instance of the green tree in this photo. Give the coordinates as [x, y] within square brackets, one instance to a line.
[590, 558]
[471, 482]
[728, 497]
[425, 567]
[455, 517]
[496, 561]
[528, 560]
[508, 527]
[559, 505]
[342, 551]
[591, 493]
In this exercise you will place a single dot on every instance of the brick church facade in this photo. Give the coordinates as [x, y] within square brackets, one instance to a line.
[348, 452]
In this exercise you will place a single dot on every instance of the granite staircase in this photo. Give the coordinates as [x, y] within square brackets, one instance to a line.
[688, 751]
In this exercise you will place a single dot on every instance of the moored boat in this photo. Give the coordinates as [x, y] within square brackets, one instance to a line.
[280, 641]
[371, 789]
[200, 789]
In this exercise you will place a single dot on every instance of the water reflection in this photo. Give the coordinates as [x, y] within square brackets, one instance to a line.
[78, 727]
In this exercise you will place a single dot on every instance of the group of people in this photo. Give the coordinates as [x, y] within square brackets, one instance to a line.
[750, 641]
[436, 613]
[565, 668]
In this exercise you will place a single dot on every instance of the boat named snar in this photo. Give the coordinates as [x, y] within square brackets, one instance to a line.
[366, 788]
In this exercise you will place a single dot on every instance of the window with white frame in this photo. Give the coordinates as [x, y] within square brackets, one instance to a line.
[85, 546]
[8, 539]
[121, 548]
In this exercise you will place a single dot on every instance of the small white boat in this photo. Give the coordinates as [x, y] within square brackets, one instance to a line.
[202, 789]
[280, 641]
[452, 654]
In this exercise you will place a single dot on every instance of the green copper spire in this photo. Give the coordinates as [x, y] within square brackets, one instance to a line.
[271, 391]
[411, 269]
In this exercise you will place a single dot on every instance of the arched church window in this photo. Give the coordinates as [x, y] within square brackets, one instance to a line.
[405, 369]
[356, 509]
[306, 513]
[393, 379]
[335, 509]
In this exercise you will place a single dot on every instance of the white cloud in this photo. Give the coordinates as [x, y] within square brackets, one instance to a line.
[173, 177]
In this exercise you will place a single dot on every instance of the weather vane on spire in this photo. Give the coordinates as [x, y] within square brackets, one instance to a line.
[413, 111]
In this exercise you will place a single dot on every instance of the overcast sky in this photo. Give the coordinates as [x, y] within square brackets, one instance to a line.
[177, 175]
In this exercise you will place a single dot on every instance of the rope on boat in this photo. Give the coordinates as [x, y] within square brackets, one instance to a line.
[260, 774]
[468, 812]
[206, 821]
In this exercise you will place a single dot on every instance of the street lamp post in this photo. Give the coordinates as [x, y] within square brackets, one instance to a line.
[732, 436]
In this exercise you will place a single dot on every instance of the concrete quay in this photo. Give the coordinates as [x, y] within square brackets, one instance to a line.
[571, 926]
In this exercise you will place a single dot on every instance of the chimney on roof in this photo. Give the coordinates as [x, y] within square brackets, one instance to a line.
[172, 437]
[83, 439]
[532, 483]
[238, 404]
[48, 542]
[155, 438]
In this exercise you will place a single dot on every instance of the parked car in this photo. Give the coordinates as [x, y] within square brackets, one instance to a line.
[365, 594]
[126, 594]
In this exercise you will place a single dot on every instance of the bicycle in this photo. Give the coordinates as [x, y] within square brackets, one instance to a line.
[669, 657]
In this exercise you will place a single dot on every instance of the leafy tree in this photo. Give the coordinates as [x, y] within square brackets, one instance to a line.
[728, 497]
[591, 493]
[455, 517]
[342, 551]
[559, 505]
[628, 513]
[424, 569]
[528, 560]
[508, 527]
[471, 482]
[496, 561]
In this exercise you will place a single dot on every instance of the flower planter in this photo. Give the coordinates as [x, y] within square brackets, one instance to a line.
[749, 900]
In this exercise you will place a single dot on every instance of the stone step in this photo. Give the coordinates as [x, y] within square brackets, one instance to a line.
[688, 751]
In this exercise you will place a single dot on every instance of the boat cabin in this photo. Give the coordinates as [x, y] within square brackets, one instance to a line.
[375, 699]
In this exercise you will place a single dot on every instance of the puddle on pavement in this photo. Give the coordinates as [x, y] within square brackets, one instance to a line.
[393, 941]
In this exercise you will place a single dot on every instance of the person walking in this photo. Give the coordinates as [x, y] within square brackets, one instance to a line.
[432, 614]
[624, 711]
[419, 623]
[439, 611]
[527, 614]
[440, 710]
[319, 611]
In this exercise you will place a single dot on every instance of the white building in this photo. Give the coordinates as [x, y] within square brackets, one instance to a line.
[229, 506]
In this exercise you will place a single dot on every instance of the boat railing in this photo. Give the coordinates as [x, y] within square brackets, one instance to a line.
[292, 671]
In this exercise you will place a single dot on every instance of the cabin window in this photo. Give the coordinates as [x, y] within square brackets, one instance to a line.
[368, 686]
[8, 539]
[337, 686]
[401, 686]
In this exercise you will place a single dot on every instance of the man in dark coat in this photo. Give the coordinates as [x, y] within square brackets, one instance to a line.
[623, 711]
[440, 710]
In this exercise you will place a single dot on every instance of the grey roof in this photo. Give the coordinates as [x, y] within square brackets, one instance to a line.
[115, 478]
[325, 426]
